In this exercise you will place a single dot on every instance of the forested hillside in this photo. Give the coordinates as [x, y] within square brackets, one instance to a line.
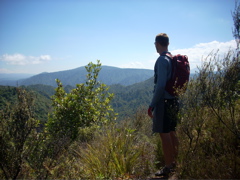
[127, 99]
[40, 93]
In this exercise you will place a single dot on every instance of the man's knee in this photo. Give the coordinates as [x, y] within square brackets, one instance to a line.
[165, 136]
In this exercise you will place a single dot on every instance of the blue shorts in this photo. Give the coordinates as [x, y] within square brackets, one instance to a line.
[165, 116]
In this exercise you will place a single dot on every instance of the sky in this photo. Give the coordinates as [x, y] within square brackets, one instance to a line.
[54, 35]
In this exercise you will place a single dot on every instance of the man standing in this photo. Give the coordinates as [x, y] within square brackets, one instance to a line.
[164, 107]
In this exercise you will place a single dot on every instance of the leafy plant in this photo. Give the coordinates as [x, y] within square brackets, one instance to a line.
[17, 131]
[211, 119]
[76, 115]
[82, 110]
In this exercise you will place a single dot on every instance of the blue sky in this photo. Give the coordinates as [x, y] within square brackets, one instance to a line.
[53, 35]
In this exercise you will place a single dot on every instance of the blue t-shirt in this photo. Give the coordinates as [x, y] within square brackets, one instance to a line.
[162, 73]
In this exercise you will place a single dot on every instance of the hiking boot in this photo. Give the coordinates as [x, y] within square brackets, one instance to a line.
[165, 171]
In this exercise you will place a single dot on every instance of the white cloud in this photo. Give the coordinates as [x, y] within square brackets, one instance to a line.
[200, 51]
[20, 59]
[196, 54]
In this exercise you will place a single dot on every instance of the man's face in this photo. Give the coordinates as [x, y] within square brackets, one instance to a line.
[156, 46]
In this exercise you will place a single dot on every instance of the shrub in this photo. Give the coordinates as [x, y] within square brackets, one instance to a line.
[82, 110]
[17, 133]
[209, 131]
[76, 116]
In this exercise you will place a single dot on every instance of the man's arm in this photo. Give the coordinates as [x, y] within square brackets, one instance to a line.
[162, 66]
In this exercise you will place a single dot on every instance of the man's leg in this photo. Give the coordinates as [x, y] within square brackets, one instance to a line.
[168, 148]
[175, 144]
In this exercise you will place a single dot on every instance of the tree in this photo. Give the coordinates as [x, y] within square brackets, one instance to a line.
[85, 108]
[76, 115]
[17, 131]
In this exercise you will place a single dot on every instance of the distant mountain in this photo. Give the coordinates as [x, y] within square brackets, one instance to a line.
[108, 75]
[12, 79]
[12, 76]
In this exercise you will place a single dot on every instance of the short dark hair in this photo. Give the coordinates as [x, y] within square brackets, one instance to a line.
[162, 39]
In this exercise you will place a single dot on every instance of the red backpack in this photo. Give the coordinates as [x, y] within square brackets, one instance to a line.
[180, 74]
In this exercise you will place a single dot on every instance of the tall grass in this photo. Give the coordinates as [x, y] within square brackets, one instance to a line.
[118, 151]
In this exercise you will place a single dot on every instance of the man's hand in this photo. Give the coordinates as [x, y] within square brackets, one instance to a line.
[150, 112]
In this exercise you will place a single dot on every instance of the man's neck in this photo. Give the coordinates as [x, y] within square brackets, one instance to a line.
[162, 50]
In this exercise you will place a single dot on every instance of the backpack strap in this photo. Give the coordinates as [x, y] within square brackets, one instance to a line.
[170, 56]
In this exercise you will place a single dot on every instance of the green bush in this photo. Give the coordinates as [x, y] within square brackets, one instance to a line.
[28, 151]
[17, 132]
[209, 130]
[81, 111]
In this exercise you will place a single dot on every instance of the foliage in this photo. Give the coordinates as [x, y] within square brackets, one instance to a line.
[42, 103]
[118, 150]
[28, 151]
[127, 149]
[44, 90]
[17, 130]
[8, 96]
[82, 110]
[209, 131]
[127, 99]
[76, 115]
